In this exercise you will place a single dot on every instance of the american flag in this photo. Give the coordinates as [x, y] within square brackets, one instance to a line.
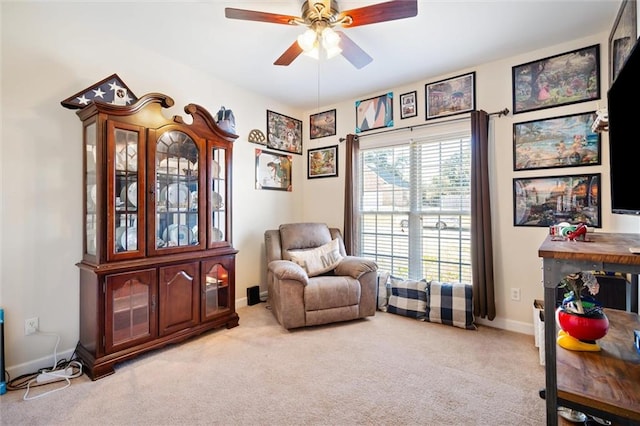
[111, 90]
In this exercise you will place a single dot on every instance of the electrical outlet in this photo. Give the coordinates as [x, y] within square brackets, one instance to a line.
[515, 294]
[30, 326]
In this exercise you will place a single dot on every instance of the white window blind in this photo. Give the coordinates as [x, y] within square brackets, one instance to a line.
[415, 202]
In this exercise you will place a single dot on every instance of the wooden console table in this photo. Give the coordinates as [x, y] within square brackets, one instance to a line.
[606, 383]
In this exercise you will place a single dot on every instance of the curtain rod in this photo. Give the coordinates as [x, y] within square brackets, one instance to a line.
[500, 113]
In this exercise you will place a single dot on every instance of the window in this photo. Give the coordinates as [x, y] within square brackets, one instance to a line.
[414, 202]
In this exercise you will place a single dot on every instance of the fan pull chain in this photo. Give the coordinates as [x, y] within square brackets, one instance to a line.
[318, 101]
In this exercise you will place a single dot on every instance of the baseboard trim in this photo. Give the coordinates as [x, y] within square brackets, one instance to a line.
[244, 302]
[37, 364]
[506, 324]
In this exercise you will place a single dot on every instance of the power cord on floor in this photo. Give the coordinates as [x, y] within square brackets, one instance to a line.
[62, 370]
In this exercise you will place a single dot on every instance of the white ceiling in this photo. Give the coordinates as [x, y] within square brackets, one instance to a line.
[447, 36]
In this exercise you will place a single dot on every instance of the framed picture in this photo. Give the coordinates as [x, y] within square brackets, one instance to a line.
[284, 133]
[323, 162]
[563, 79]
[273, 170]
[565, 141]
[622, 38]
[546, 201]
[452, 96]
[374, 113]
[408, 105]
[322, 124]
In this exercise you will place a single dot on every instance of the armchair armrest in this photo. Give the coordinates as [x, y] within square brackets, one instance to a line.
[287, 270]
[287, 281]
[355, 267]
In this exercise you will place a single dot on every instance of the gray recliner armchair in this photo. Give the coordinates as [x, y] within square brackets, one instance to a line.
[311, 280]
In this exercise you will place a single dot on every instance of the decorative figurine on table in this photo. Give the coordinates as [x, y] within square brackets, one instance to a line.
[580, 316]
[579, 234]
[565, 231]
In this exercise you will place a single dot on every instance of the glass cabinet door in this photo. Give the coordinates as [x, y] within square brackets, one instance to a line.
[91, 190]
[125, 194]
[131, 308]
[216, 290]
[218, 213]
[177, 206]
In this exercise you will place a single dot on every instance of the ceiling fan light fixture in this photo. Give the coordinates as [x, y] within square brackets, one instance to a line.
[307, 40]
[320, 38]
[330, 38]
[332, 51]
[313, 53]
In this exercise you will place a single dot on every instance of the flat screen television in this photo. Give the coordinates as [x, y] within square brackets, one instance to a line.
[623, 105]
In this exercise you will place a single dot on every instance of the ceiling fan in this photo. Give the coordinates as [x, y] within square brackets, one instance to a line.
[320, 17]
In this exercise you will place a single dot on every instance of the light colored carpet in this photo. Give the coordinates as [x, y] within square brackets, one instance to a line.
[384, 370]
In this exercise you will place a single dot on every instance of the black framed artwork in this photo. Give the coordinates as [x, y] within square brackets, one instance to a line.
[563, 79]
[408, 105]
[451, 96]
[322, 162]
[284, 133]
[322, 124]
[549, 200]
[622, 38]
[564, 141]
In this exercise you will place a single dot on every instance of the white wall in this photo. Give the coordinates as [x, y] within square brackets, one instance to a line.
[45, 59]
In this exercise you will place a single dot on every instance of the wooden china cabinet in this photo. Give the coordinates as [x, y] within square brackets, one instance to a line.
[158, 266]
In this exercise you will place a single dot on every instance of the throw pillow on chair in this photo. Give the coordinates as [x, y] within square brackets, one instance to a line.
[318, 260]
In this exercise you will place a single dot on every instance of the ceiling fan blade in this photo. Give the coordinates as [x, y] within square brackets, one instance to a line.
[381, 12]
[253, 15]
[352, 52]
[289, 55]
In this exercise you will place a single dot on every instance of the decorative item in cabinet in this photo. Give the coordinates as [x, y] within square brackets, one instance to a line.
[158, 263]
[211, 295]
